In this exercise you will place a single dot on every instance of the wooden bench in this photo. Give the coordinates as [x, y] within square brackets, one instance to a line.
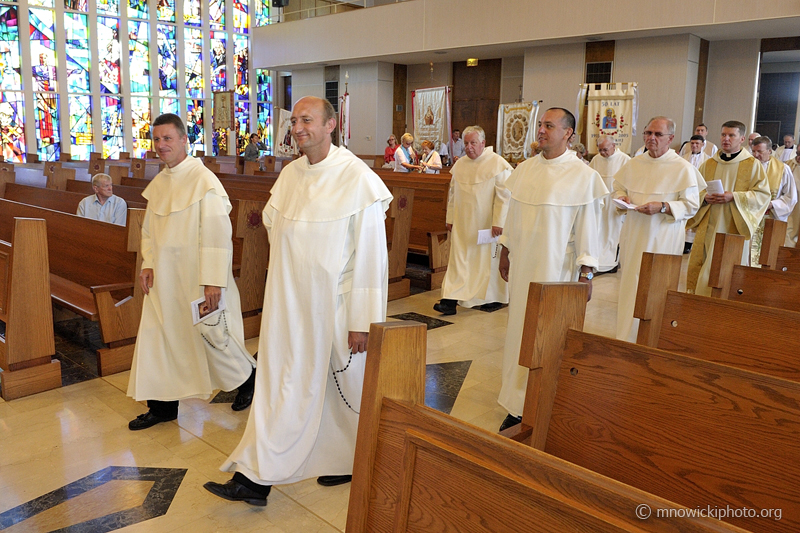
[398, 227]
[131, 195]
[421, 470]
[28, 344]
[691, 431]
[788, 259]
[64, 201]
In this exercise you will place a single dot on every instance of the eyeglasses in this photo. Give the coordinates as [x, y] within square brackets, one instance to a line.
[656, 134]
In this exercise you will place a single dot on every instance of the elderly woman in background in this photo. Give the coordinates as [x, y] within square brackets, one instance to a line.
[388, 154]
[431, 161]
[581, 152]
[405, 158]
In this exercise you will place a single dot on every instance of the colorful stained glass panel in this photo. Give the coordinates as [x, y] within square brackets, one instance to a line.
[111, 116]
[218, 61]
[137, 9]
[262, 12]
[139, 46]
[140, 118]
[80, 127]
[77, 51]
[195, 125]
[241, 19]
[194, 62]
[77, 5]
[109, 7]
[242, 114]
[263, 85]
[43, 49]
[109, 48]
[264, 119]
[10, 60]
[216, 11]
[167, 60]
[192, 13]
[170, 105]
[241, 65]
[12, 126]
[43, 3]
[166, 10]
[48, 139]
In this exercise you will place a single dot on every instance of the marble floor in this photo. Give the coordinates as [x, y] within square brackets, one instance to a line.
[69, 463]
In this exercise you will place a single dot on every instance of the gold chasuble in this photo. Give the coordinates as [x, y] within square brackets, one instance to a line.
[774, 174]
[744, 176]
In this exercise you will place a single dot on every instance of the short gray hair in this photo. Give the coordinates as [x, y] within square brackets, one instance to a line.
[763, 140]
[604, 138]
[97, 178]
[474, 129]
[670, 123]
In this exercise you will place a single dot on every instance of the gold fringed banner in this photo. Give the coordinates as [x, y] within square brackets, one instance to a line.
[516, 130]
[612, 113]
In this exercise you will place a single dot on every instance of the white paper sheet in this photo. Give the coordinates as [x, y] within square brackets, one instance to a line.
[714, 187]
[485, 236]
[624, 205]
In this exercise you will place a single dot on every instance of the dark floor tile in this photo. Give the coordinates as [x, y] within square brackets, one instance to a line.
[72, 373]
[431, 322]
[443, 382]
[225, 397]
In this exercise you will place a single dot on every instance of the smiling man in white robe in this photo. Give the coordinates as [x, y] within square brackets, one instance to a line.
[550, 236]
[327, 282]
[607, 162]
[478, 200]
[186, 255]
[666, 188]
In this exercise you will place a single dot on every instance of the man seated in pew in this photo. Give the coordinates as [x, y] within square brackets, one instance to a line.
[782, 188]
[186, 255]
[478, 200]
[327, 282]
[103, 205]
[666, 190]
[551, 234]
[738, 209]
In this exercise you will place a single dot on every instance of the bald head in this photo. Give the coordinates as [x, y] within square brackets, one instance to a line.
[606, 146]
[752, 137]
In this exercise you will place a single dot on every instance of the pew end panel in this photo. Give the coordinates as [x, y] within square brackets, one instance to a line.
[438, 257]
[58, 178]
[690, 431]
[658, 274]
[774, 237]
[6, 176]
[399, 222]
[760, 286]
[248, 226]
[788, 259]
[727, 253]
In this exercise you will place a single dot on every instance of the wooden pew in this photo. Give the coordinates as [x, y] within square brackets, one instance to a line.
[788, 259]
[64, 201]
[421, 470]
[28, 344]
[93, 272]
[688, 430]
[398, 227]
[131, 195]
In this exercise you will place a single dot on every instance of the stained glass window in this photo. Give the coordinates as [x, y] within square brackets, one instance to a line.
[216, 10]
[12, 126]
[77, 5]
[166, 10]
[219, 142]
[242, 114]
[194, 125]
[140, 117]
[111, 115]
[194, 62]
[80, 126]
[262, 12]
[167, 60]
[170, 105]
[240, 65]
[218, 61]
[77, 52]
[48, 139]
[241, 20]
[43, 49]
[44, 3]
[264, 119]
[263, 85]
[10, 61]
[109, 7]
[192, 13]
[109, 54]
[137, 9]
[139, 46]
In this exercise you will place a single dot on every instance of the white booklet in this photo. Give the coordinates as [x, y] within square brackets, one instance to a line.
[624, 205]
[485, 236]
[200, 310]
[714, 187]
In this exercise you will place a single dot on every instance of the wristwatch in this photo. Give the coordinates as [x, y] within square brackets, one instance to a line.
[663, 207]
[587, 275]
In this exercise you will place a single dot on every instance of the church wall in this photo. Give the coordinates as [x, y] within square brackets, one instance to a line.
[308, 82]
[553, 74]
[513, 74]
[370, 88]
[731, 85]
[420, 76]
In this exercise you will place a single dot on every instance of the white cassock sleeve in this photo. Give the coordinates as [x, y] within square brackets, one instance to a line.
[787, 196]
[216, 247]
[587, 242]
[501, 197]
[370, 269]
[451, 203]
[146, 245]
[686, 205]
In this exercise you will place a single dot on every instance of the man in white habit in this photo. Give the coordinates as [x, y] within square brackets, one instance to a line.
[750, 138]
[607, 162]
[708, 147]
[738, 209]
[666, 188]
[550, 236]
[186, 255]
[696, 156]
[328, 274]
[793, 227]
[788, 150]
[783, 191]
[478, 200]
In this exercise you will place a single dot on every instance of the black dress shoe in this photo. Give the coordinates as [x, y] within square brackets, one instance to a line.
[332, 481]
[446, 307]
[510, 421]
[234, 491]
[146, 420]
[245, 395]
[491, 307]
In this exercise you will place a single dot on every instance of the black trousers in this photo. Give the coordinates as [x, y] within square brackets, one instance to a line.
[163, 409]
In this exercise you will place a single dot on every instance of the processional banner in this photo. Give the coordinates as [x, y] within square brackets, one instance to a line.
[344, 120]
[430, 109]
[612, 112]
[286, 146]
[516, 130]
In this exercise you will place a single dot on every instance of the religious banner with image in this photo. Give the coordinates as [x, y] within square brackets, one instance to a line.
[612, 112]
[516, 130]
[430, 109]
[285, 145]
[223, 111]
